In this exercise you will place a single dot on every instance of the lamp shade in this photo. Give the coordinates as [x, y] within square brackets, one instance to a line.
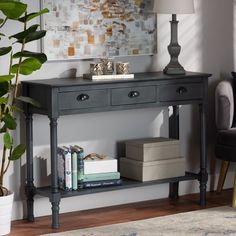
[173, 6]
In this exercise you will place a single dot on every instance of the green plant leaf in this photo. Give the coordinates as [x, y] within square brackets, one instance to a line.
[1, 20]
[3, 129]
[3, 100]
[9, 121]
[15, 108]
[28, 100]
[1, 35]
[17, 152]
[33, 15]
[27, 67]
[3, 88]
[13, 0]
[6, 78]
[40, 56]
[33, 36]
[23, 34]
[5, 50]
[8, 142]
[12, 9]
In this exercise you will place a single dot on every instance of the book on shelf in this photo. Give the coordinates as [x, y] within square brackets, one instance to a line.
[74, 168]
[64, 168]
[101, 176]
[96, 166]
[102, 183]
[80, 165]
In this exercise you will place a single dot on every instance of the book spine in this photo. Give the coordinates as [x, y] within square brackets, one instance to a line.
[64, 169]
[61, 168]
[101, 176]
[74, 171]
[68, 172]
[80, 163]
[102, 183]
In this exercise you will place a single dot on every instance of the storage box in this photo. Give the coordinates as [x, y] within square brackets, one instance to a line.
[147, 171]
[97, 166]
[152, 149]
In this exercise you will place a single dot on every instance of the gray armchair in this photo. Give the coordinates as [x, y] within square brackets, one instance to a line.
[225, 148]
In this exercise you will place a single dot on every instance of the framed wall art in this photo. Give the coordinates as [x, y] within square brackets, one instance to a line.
[83, 29]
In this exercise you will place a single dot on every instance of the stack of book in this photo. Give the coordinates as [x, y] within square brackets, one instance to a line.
[70, 167]
[101, 172]
[77, 172]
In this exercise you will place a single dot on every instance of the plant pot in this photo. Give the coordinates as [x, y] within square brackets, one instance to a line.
[6, 203]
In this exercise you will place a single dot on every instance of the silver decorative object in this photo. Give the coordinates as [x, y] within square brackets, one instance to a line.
[108, 66]
[96, 68]
[122, 68]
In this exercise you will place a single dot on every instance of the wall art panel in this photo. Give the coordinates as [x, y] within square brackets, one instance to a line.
[82, 29]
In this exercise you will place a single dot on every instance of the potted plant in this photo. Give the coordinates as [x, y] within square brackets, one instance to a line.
[21, 62]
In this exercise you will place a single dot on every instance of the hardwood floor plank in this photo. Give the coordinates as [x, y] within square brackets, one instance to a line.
[119, 214]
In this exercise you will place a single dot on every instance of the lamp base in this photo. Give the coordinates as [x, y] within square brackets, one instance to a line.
[176, 69]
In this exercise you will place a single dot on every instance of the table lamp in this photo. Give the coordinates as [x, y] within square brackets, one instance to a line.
[174, 7]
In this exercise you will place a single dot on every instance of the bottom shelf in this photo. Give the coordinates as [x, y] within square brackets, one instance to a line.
[127, 183]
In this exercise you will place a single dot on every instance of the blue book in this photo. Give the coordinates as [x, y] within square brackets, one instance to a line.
[102, 183]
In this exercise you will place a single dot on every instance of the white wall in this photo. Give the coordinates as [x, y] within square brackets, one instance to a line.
[207, 46]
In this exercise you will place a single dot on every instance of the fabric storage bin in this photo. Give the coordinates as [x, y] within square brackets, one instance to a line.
[152, 149]
[154, 170]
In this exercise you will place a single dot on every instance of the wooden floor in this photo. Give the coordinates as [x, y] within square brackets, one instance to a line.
[118, 214]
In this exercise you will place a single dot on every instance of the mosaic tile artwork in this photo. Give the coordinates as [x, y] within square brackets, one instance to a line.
[81, 29]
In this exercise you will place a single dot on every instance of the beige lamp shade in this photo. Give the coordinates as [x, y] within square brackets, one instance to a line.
[173, 6]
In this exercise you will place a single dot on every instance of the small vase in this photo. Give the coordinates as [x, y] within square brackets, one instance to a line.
[6, 203]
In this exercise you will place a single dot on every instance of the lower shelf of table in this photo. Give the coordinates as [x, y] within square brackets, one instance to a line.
[127, 183]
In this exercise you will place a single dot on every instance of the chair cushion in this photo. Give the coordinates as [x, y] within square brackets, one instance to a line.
[225, 148]
[226, 153]
[224, 105]
[227, 137]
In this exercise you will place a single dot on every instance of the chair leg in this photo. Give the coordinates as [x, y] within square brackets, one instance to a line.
[223, 172]
[234, 193]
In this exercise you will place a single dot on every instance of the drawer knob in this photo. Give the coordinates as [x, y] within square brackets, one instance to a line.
[83, 97]
[181, 90]
[133, 94]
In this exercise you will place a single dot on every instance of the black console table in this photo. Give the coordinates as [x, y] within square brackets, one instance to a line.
[74, 96]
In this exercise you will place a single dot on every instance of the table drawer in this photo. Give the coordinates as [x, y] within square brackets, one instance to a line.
[133, 95]
[179, 92]
[83, 99]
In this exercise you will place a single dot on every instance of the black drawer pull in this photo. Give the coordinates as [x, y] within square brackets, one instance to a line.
[181, 90]
[134, 94]
[83, 97]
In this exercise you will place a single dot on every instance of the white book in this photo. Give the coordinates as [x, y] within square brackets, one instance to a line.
[64, 168]
[96, 166]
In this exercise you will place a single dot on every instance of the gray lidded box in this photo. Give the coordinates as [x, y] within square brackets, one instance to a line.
[152, 149]
[154, 170]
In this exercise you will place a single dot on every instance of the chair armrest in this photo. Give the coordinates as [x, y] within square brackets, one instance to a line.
[224, 105]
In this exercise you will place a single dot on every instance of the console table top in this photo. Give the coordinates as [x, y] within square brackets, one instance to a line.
[146, 76]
